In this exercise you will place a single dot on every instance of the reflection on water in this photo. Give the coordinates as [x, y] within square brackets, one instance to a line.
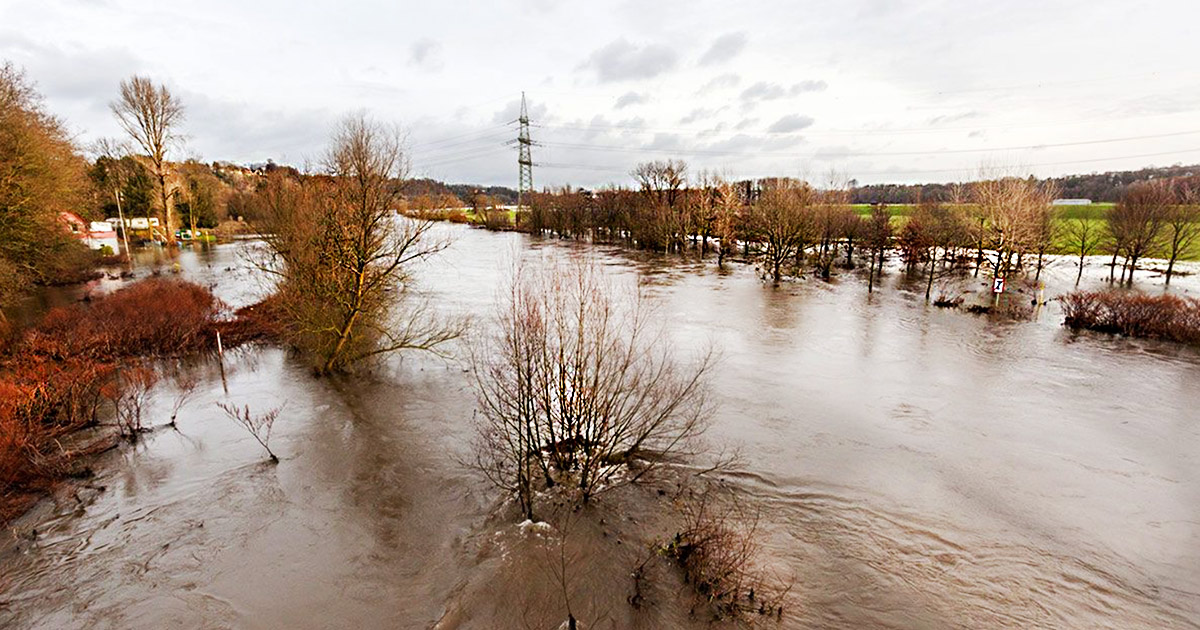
[916, 468]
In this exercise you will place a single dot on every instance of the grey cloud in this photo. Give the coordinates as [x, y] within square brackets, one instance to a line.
[727, 80]
[948, 118]
[724, 48]
[790, 123]
[763, 91]
[665, 141]
[700, 113]
[425, 52]
[512, 111]
[746, 124]
[235, 131]
[621, 60]
[742, 143]
[631, 98]
[91, 75]
[808, 86]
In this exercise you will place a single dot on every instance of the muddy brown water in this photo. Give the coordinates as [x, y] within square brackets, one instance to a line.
[912, 467]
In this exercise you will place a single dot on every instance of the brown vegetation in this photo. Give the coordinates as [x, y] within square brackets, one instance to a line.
[718, 550]
[40, 176]
[1134, 314]
[344, 257]
[87, 363]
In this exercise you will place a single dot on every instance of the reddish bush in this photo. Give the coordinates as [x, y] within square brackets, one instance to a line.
[1134, 314]
[154, 317]
[54, 378]
[40, 401]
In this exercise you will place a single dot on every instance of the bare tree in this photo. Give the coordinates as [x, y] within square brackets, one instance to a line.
[150, 114]
[576, 388]
[345, 258]
[259, 426]
[1085, 236]
[878, 238]
[726, 209]
[1182, 226]
[1010, 208]
[781, 221]
[1136, 221]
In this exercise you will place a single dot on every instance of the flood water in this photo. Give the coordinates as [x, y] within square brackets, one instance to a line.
[911, 467]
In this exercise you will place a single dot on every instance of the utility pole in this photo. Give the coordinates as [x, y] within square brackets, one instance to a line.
[524, 159]
[124, 229]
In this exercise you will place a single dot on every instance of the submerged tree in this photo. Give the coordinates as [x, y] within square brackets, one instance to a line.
[1083, 234]
[877, 238]
[1182, 226]
[781, 221]
[1136, 222]
[150, 114]
[345, 258]
[577, 388]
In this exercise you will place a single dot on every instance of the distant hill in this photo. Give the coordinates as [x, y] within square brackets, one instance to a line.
[1095, 186]
[465, 192]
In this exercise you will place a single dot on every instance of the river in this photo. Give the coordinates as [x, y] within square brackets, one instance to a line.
[911, 467]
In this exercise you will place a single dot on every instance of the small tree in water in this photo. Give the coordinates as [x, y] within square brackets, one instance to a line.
[577, 389]
[259, 426]
[343, 256]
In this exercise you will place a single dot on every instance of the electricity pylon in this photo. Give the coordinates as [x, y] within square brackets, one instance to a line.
[524, 158]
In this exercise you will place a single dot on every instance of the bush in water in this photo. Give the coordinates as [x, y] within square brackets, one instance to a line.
[1134, 314]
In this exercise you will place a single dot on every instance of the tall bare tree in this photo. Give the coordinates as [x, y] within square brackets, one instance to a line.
[878, 238]
[1084, 236]
[345, 257]
[151, 114]
[1137, 220]
[1182, 226]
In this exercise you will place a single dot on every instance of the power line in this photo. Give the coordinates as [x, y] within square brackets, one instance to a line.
[923, 171]
[850, 132]
[745, 153]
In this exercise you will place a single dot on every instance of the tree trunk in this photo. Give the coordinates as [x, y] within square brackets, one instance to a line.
[871, 274]
[929, 280]
[1079, 276]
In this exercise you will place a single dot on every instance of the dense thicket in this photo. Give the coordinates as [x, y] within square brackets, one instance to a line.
[40, 176]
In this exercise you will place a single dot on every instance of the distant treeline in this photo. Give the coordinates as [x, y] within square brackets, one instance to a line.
[464, 192]
[1107, 187]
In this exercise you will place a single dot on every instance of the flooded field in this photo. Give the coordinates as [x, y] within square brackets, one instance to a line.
[913, 468]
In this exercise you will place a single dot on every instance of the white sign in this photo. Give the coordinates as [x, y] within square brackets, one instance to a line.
[998, 285]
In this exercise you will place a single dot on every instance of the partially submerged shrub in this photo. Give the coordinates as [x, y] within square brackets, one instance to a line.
[154, 317]
[578, 389]
[41, 401]
[717, 548]
[259, 426]
[1134, 314]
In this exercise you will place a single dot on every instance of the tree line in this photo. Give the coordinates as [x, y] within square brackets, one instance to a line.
[1000, 225]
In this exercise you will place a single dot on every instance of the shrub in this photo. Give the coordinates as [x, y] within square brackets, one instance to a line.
[1134, 314]
[154, 317]
[717, 549]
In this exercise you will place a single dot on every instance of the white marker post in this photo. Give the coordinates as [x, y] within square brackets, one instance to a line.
[997, 289]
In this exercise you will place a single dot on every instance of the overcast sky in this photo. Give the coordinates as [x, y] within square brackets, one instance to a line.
[877, 90]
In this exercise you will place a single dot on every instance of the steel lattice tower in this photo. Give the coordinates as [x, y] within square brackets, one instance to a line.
[524, 158]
